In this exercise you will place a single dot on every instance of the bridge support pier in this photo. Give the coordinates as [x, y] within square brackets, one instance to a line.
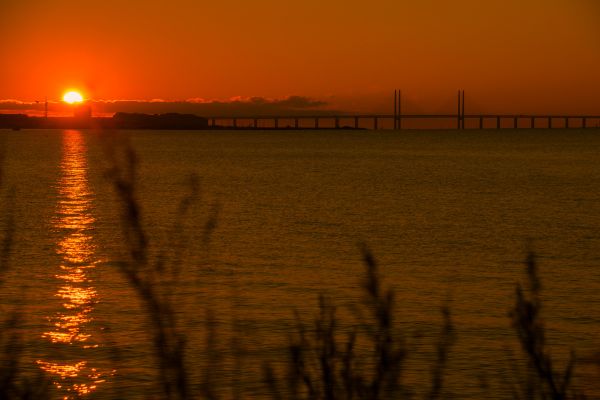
[516, 122]
[375, 123]
[497, 122]
[337, 123]
[532, 122]
[480, 122]
[550, 122]
[356, 122]
[567, 122]
[583, 123]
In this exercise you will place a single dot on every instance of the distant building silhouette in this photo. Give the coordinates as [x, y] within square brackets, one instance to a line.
[82, 111]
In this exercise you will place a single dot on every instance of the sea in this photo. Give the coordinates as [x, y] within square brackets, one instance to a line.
[243, 232]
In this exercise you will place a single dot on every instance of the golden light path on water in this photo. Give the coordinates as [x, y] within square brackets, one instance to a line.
[70, 333]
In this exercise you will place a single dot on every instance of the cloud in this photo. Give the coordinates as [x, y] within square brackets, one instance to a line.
[237, 106]
[10, 102]
[301, 102]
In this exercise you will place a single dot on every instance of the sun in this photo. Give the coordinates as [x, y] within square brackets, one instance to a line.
[73, 97]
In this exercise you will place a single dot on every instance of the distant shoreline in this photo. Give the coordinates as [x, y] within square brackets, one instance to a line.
[175, 121]
[171, 121]
[118, 121]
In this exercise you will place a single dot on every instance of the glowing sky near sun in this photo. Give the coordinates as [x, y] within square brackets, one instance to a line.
[510, 55]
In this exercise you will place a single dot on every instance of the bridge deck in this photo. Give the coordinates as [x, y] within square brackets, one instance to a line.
[385, 121]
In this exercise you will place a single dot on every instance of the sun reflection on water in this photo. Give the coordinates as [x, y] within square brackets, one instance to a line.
[70, 333]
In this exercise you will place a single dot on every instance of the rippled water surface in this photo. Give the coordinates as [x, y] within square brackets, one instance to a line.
[448, 216]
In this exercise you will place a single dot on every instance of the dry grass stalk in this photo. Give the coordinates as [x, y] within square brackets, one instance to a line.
[154, 280]
[542, 380]
[322, 366]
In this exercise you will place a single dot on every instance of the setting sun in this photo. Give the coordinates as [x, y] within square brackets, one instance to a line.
[73, 97]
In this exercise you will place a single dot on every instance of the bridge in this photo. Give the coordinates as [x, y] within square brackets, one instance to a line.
[398, 120]
[411, 121]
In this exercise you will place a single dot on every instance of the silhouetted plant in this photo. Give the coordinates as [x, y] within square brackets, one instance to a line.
[210, 375]
[321, 366]
[154, 279]
[389, 349]
[10, 342]
[13, 385]
[543, 381]
[446, 340]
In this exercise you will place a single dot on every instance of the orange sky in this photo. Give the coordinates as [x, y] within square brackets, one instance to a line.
[509, 56]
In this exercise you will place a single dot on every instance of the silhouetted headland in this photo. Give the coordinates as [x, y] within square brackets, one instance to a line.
[117, 121]
[169, 121]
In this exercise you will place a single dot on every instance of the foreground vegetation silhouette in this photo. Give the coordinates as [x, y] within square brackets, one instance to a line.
[357, 355]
